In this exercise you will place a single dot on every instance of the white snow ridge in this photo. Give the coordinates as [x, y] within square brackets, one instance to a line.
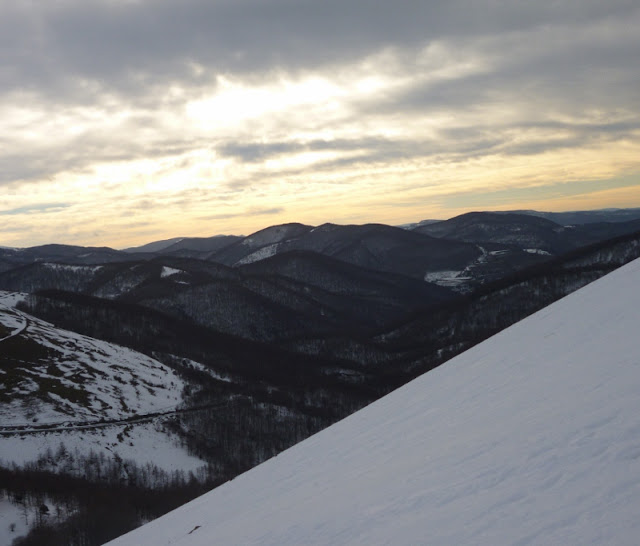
[532, 437]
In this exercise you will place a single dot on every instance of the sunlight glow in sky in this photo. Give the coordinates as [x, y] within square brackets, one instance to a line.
[127, 122]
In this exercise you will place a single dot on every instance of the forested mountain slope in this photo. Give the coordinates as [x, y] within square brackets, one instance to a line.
[529, 437]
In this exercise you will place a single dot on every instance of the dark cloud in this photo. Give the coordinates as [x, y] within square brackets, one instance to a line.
[551, 76]
[260, 151]
[54, 47]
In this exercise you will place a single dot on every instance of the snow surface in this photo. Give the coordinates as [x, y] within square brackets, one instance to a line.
[260, 254]
[15, 321]
[10, 514]
[73, 268]
[531, 437]
[168, 271]
[446, 278]
[205, 369]
[11, 299]
[145, 443]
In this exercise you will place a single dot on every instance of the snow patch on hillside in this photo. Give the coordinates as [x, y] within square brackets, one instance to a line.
[15, 322]
[205, 369]
[169, 271]
[447, 278]
[11, 299]
[537, 251]
[73, 268]
[261, 254]
[531, 437]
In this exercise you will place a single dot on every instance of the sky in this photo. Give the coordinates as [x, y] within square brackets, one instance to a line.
[128, 121]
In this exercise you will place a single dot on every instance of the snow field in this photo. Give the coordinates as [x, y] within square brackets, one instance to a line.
[145, 443]
[13, 523]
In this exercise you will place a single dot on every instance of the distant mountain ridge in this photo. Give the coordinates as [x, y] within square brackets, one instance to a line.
[586, 216]
[373, 246]
[525, 231]
[185, 245]
[562, 218]
[459, 253]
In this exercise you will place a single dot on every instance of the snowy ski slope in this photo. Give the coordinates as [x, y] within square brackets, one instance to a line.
[532, 437]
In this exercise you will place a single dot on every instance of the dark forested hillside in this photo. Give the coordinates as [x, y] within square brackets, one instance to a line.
[526, 231]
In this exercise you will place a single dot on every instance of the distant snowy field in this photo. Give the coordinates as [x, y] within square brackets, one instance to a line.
[12, 522]
[145, 443]
[532, 437]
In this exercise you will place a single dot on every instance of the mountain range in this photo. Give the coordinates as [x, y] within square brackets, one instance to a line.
[415, 252]
[209, 356]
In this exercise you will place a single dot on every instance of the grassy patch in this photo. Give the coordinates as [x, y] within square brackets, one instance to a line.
[20, 350]
[54, 371]
[67, 392]
[10, 381]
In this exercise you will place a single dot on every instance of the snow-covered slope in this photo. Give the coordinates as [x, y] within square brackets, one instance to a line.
[50, 375]
[59, 387]
[532, 437]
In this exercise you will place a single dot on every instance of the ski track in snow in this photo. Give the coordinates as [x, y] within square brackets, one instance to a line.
[11, 318]
[531, 437]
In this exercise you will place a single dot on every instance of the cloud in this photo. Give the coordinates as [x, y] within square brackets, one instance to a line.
[73, 46]
[40, 208]
[244, 213]
[241, 106]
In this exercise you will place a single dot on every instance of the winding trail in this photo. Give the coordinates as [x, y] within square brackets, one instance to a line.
[21, 328]
[65, 426]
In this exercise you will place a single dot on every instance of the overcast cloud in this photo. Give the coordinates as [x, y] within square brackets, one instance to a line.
[213, 112]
